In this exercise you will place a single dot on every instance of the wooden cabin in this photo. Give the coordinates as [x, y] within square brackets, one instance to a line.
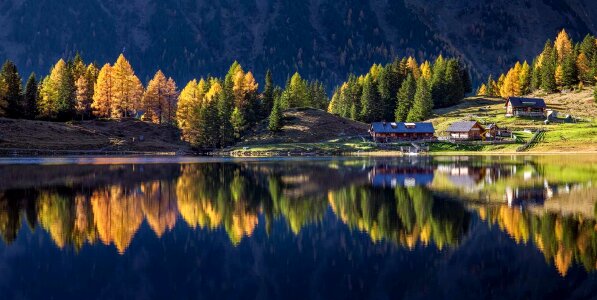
[525, 107]
[465, 130]
[400, 131]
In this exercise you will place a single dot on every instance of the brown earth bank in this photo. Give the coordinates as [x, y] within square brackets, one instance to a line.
[31, 137]
[306, 125]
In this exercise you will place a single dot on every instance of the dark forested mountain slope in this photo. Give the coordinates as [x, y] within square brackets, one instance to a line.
[323, 39]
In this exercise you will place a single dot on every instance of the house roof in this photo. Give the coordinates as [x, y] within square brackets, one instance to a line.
[401, 127]
[463, 126]
[526, 102]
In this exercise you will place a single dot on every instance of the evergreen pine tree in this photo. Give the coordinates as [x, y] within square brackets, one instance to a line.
[238, 123]
[31, 97]
[11, 91]
[438, 83]
[588, 47]
[406, 95]
[536, 75]
[388, 100]
[226, 106]
[268, 94]
[370, 103]
[454, 85]
[276, 117]
[548, 68]
[423, 103]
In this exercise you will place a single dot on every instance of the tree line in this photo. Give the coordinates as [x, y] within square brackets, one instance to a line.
[215, 112]
[211, 112]
[561, 65]
[403, 90]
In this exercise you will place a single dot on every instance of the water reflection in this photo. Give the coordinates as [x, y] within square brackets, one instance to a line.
[427, 202]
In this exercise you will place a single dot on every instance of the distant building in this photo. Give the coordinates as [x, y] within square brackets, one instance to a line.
[399, 131]
[525, 107]
[465, 130]
[493, 131]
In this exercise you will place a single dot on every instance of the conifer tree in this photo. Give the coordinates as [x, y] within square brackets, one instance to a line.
[371, 109]
[154, 99]
[226, 106]
[491, 87]
[127, 89]
[296, 93]
[211, 117]
[245, 96]
[511, 82]
[438, 82]
[159, 100]
[57, 95]
[276, 117]
[525, 78]
[536, 75]
[482, 91]
[388, 100]
[584, 69]
[548, 68]
[423, 103]
[563, 45]
[238, 123]
[102, 93]
[170, 102]
[317, 95]
[406, 96]
[413, 67]
[588, 46]
[11, 91]
[82, 104]
[465, 79]
[189, 104]
[569, 71]
[426, 70]
[268, 94]
[77, 66]
[31, 97]
[455, 88]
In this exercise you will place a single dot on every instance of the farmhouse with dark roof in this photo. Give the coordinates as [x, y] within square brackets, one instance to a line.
[399, 131]
[465, 130]
[525, 107]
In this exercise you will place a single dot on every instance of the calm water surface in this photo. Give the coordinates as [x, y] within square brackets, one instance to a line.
[330, 228]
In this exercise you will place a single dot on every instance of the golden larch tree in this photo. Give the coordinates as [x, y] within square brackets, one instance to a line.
[563, 45]
[426, 70]
[102, 93]
[189, 102]
[413, 66]
[127, 89]
[154, 98]
[83, 103]
[169, 102]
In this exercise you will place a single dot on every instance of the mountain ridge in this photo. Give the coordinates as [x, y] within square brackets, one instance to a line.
[322, 39]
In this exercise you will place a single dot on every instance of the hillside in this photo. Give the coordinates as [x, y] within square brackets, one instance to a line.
[578, 137]
[104, 136]
[323, 39]
[306, 125]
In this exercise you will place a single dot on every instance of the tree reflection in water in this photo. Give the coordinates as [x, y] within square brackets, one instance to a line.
[401, 201]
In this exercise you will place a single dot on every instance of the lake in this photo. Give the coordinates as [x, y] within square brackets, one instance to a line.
[440, 227]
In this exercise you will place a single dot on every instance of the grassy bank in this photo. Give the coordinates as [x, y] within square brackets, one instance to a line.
[578, 137]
